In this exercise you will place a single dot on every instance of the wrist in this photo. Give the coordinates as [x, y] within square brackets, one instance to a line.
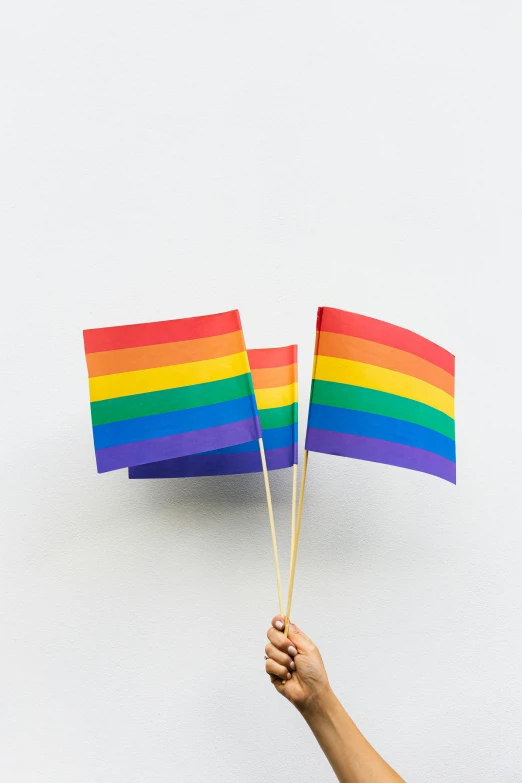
[319, 705]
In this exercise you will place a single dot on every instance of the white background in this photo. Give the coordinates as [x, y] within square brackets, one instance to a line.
[162, 160]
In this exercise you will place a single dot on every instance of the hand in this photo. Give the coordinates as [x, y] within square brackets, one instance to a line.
[295, 665]
[297, 671]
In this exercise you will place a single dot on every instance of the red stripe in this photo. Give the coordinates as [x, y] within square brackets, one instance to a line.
[329, 319]
[114, 338]
[262, 358]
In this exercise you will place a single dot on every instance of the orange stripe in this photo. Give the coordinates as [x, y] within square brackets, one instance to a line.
[148, 357]
[341, 346]
[271, 377]
[260, 358]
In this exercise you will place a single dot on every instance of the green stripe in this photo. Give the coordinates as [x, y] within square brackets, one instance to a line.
[271, 418]
[136, 405]
[342, 395]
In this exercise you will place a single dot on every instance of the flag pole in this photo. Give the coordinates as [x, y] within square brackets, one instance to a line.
[272, 527]
[296, 543]
[301, 491]
[294, 509]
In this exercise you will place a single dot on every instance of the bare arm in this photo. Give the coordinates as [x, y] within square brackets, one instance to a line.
[297, 671]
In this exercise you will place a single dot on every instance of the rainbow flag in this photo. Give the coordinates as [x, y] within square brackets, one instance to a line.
[274, 372]
[170, 388]
[381, 393]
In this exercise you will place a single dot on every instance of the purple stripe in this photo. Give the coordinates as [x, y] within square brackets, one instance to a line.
[214, 464]
[179, 445]
[374, 450]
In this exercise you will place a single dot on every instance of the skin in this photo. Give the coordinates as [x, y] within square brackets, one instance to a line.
[297, 672]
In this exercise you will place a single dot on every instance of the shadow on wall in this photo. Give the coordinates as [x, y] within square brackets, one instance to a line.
[354, 511]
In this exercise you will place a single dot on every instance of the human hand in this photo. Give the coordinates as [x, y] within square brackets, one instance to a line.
[297, 671]
[295, 665]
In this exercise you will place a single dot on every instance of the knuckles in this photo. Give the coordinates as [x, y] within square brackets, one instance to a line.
[280, 656]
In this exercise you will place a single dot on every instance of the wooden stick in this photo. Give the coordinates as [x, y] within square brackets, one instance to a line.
[272, 527]
[294, 509]
[296, 544]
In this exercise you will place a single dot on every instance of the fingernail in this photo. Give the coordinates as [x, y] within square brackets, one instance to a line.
[292, 665]
[279, 625]
[289, 676]
[292, 651]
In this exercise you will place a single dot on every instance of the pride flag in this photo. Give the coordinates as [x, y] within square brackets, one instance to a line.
[274, 373]
[381, 393]
[170, 388]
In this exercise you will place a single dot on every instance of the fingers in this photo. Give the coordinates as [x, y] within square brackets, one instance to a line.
[278, 684]
[277, 670]
[278, 622]
[279, 651]
[299, 639]
[280, 641]
[279, 657]
[282, 650]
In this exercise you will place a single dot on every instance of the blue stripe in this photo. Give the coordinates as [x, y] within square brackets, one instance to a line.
[372, 425]
[277, 438]
[164, 424]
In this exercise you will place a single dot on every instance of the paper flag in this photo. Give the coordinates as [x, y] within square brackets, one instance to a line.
[168, 389]
[382, 393]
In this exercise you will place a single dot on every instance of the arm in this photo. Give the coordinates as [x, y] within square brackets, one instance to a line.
[297, 672]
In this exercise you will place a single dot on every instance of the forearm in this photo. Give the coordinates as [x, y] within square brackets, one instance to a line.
[351, 756]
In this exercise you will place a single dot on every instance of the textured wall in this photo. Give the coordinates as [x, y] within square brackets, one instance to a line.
[169, 159]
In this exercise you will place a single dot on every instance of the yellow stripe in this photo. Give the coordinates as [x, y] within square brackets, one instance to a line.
[122, 384]
[277, 397]
[390, 381]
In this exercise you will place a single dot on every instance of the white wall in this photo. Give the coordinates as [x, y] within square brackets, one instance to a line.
[163, 160]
